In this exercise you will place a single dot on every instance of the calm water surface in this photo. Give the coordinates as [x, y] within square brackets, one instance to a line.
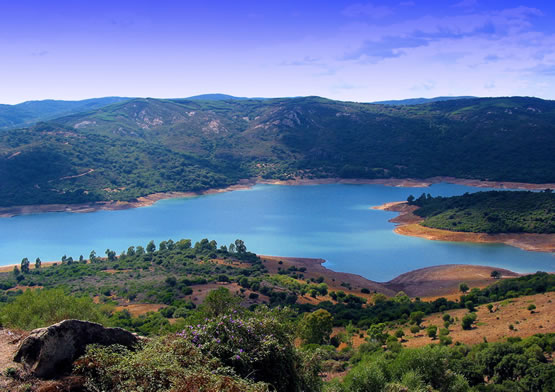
[333, 222]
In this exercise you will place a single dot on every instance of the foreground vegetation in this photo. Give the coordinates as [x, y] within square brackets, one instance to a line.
[262, 338]
[489, 212]
[143, 146]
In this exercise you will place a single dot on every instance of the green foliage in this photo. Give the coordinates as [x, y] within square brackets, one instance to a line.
[468, 320]
[431, 331]
[257, 345]
[160, 365]
[463, 287]
[40, 308]
[144, 146]
[491, 212]
[316, 327]
[220, 301]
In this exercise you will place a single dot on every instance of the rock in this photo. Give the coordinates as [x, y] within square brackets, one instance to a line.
[49, 352]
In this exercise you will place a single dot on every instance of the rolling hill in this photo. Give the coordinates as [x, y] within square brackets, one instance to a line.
[141, 146]
[30, 112]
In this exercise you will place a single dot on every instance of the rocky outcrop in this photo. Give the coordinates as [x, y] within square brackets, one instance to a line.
[49, 352]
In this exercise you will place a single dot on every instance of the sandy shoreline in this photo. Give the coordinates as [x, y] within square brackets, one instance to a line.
[7, 212]
[408, 224]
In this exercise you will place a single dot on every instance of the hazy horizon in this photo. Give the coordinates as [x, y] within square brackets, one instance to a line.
[343, 50]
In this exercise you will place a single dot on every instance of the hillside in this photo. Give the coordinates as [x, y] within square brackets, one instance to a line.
[490, 212]
[25, 113]
[143, 146]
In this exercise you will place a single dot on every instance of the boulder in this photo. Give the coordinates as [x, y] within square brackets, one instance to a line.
[49, 352]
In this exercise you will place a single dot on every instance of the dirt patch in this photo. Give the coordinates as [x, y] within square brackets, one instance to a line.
[495, 326]
[334, 280]
[408, 224]
[140, 309]
[444, 280]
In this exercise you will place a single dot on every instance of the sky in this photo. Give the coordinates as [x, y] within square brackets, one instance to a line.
[346, 50]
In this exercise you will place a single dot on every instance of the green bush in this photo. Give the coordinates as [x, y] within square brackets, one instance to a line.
[258, 345]
[468, 320]
[161, 365]
[40, 308]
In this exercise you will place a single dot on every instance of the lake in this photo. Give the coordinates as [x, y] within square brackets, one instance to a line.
[333, 222]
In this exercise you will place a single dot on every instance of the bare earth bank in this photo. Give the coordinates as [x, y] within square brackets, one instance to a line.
[6, 212]
[408, 224]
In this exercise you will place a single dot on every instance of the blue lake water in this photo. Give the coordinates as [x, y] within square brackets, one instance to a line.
[333, 222]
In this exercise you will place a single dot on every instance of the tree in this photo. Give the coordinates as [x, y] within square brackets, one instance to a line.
[240, 246]
[25, 265]
[432, 331]
[220, 301]
[470, 306]
[150, 247]
[64, 259]
[495, 274]
[38, 263]
[316, 327]
[16, 271]
[232, 248]
[111, 254]
[468, 320]
[183, 244]
[131, 251]
[82, 259]
[376, 332]
[531, 308]
[92, 257]
[463, 287]
[410, 199]
[416, 317]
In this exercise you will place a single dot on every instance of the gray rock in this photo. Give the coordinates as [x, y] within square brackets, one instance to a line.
[49, 352]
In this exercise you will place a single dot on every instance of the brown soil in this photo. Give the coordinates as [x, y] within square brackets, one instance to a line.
[444, 280]
[315, 269]
[140, 309]
[6, 212]
[495, 326]
[408, 224]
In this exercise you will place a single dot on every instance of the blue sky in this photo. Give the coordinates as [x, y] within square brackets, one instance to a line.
[348, 50]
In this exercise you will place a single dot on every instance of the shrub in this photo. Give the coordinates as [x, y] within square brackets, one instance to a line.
[468, 320]
[316, 327]
[257, 345]
[40, 308]
[161, 365]
[414, 329]
[432, 331]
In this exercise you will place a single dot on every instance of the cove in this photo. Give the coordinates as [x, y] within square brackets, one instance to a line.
[333, 222]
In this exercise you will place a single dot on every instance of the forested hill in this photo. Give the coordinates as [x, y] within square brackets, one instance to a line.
[141, 146]
[27, 113]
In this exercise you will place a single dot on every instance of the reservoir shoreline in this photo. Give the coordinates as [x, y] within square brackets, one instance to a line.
[145, 201]
[409, 224]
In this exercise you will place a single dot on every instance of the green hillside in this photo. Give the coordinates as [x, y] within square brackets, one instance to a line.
[30, 112]
[490, 212]
[142, 146]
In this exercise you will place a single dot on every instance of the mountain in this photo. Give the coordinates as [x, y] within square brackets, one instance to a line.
[217, 97]
[418, 101]
[12, 116]
[141, 146]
